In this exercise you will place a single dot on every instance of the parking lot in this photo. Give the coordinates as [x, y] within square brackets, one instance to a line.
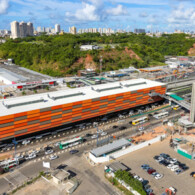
[183, 182]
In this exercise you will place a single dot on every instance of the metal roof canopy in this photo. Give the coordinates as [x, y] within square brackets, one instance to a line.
[115, 166]
[88, 93]
[110, 147]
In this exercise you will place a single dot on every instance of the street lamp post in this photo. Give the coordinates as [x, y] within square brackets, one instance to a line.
[15, 144]
[95, 124]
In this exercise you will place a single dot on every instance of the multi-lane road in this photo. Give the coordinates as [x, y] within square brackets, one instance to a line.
[27, 169]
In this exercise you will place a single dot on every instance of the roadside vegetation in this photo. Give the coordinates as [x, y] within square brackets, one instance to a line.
[60, 55]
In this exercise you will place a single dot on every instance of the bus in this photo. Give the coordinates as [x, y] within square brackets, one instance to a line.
[140, 120]
[70, 143]
[161, 115]
[8, 164]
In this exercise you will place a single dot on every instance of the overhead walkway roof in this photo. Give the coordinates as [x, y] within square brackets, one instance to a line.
[174, 96]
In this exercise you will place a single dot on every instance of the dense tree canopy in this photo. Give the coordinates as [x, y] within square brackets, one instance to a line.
[56, 55]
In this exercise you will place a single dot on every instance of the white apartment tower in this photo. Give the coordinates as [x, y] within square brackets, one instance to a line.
[23, 29]
[30, 29]
[57, 28]
[15, 31]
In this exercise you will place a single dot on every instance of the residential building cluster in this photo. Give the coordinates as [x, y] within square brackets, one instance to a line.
[97, 30]
[4, 33]
[21, 30]
[48, 30]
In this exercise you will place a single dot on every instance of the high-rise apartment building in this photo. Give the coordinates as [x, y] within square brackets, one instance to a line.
[57, 28]
[23, 29]
[15, 31]
[30, 29]
[95, 30]
[39, 29]
[73, 30]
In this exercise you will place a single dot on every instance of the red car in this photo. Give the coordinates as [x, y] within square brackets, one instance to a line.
[150, 171]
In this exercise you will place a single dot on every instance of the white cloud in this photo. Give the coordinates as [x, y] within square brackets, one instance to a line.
[182, 15]
[3, 6]
[94, 11]
[89, 12]
[143, 14]
[117, 11]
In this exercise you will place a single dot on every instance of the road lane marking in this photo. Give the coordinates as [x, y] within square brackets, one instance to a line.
[9, 181]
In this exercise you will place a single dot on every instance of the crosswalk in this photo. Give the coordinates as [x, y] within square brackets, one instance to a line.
[16, 178]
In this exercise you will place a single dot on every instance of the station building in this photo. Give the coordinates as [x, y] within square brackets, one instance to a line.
[29, 114]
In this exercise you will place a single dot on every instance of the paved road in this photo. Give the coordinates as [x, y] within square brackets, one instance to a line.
[27, 170]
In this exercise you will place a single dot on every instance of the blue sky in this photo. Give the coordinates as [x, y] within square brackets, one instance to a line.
[162, 15]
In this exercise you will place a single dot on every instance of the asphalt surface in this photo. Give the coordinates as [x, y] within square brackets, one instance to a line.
[27, 170]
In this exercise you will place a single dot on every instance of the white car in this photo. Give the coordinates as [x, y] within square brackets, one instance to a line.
[27, 141]
[30, 156]
[174, 160]
[103, 133]
[141, 128]
[53, 157]
[57, 143]
[158, 176]
[94, 136]
[170, 166]
[48, 151]
[141, 179]
[100, 131]
[36, 151]
[174, 168]
[136, 177]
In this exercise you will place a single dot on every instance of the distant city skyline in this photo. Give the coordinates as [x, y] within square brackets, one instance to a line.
[161, 15]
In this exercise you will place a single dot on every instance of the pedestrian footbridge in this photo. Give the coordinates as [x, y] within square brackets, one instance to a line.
[174, 98]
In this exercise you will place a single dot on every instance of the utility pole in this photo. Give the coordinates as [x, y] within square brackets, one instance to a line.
[15, 144]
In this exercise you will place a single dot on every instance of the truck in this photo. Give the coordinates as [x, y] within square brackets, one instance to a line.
[170, 191]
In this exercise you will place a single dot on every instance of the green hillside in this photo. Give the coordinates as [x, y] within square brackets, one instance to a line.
[61, 55]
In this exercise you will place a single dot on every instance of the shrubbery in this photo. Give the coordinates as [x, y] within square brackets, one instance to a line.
[129, 180]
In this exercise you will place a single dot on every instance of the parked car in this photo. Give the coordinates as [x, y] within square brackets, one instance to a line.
[141, 128]
[145, 182]
[122, 128]
[94, 136]
[53, 157]
[100, 131]
[115, 126]
[174, 160]
[30, 156]
[149, 191]
[192, 174]
[178, 171]
[144, 166]
[48, 152]
[74, 151]
[158, 176]
[38, 137]
[185, 168]
[103, 133]
[150, 171]
[170, 166]
[26, 141]
[174, 168]
[88, 135]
